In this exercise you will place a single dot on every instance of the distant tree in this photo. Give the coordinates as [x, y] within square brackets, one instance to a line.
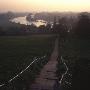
[32, 28]
[55, 27]
[83, 26]
[48, 28]
[62, 27]
[41, 28]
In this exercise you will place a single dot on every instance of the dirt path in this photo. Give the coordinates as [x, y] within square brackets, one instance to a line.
[47, 78]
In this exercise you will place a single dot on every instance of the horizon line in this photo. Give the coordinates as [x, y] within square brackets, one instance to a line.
[43, 11]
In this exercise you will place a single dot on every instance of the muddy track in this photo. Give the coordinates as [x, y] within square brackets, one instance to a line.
[47, 78]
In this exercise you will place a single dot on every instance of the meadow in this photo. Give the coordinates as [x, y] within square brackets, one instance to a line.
[17, 52]
[76, 55]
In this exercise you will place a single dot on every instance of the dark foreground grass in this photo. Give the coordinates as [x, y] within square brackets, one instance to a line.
[76, 54]
[17, 52]
[76, 47]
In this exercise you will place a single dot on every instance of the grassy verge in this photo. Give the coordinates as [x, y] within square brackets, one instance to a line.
[17, 52]
[76, 54]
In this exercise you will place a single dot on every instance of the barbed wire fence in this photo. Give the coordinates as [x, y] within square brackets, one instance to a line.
[23, 80]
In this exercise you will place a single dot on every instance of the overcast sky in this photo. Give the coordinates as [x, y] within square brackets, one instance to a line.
[44, 5]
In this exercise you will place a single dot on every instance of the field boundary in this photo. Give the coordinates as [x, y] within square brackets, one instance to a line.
[36, 59]
[65, 71]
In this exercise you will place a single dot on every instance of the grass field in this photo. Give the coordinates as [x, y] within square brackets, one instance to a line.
[16, 52]
[76, 53]
[77, 48]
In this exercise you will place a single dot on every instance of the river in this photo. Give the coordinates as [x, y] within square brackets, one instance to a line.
[22, 20]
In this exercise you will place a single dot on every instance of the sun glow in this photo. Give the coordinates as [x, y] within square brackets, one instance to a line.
[45, 5]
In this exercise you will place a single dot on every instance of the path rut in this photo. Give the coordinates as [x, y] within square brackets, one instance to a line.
[47, 77]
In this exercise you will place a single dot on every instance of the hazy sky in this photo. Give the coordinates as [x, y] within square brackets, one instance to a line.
[44, 5]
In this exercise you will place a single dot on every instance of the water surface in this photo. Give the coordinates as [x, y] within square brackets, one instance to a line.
[22, 20]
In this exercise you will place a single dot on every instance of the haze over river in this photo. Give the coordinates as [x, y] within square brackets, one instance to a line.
[22, 20]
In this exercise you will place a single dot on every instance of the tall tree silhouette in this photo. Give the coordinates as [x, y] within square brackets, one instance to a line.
[83, 26]
[62, 27]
